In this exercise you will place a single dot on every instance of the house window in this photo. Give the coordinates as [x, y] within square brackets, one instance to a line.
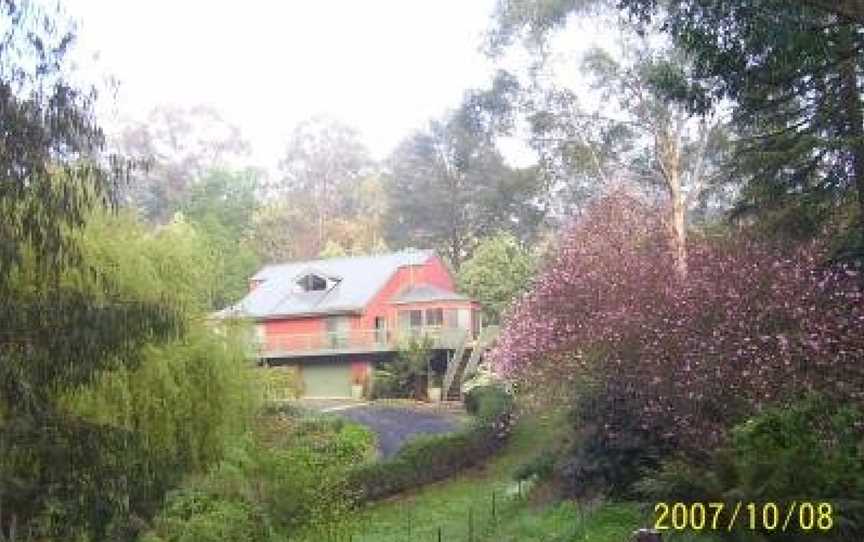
[410, 319]
[451, 319]
[435, 317]
[312, 283]
[380, 330]
[338, 331]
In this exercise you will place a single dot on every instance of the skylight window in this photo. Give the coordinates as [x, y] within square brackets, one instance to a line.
[312, 283]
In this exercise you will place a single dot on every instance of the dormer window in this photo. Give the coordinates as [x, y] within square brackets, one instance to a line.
[312, 283]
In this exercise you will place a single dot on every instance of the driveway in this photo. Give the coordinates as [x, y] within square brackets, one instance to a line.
[394, 425]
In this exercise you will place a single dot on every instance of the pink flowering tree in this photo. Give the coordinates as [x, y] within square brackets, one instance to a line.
[752, 325]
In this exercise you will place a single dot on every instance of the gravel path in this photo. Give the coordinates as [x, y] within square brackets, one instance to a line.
[396, 425]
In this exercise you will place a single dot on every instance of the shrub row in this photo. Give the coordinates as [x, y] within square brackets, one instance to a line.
[432, 458]
[261, 491]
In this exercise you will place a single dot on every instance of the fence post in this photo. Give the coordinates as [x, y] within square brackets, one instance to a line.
[470, 524]
[439, 533]
[493, 504]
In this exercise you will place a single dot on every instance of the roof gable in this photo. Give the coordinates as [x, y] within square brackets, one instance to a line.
[278, 294]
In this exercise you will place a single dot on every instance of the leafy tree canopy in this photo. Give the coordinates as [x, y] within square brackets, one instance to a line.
[449, 186]
[496, 274]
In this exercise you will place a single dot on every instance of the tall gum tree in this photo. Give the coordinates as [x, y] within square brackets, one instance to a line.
[792, 71]
[636, 131]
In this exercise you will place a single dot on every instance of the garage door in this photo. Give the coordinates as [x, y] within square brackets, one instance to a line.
[326, 379]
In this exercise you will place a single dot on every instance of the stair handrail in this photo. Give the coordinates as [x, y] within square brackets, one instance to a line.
[454, 363]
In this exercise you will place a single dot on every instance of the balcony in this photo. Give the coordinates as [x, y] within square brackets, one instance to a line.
[356, 341]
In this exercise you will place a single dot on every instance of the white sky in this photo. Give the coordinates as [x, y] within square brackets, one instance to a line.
[383, 66]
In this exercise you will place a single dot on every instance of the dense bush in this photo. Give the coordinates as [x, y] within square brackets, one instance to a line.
[673, 365]
[406, 374]
[271, 490]
[487, 402]
[195, 516]
[539, 467]
[431, 458]
[809, 451]
[133, 391]
[186, 399]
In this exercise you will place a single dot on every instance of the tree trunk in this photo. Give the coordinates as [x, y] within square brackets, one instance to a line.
[668, 153]
[679, 230]
[851, 97]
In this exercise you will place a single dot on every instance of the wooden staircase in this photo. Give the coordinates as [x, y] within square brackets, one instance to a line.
[458, 368]
[487, 337]
[454, 364]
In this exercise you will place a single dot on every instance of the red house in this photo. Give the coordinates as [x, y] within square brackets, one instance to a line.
[335, 320]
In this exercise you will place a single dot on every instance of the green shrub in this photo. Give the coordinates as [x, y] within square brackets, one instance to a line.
[430, 458]
[404, 376]
[388, 385]
[608, 458]
[540, 467]
[487, 402]
[195, 516]
[293, 486]
[810, 451]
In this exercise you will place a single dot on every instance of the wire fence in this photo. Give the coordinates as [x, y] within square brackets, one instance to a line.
[477, 522]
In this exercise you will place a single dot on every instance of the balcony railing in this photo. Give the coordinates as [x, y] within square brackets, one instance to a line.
[355, 340]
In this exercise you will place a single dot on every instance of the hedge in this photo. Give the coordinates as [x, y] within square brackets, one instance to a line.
[431, 458]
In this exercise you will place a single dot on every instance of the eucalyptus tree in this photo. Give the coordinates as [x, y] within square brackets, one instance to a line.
[324, 161]
[680, 149]
[179, 145]
[54, 336]
[449, 186]
[632, 132]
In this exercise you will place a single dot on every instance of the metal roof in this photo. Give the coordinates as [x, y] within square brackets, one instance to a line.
[427, 292]
[352, 283]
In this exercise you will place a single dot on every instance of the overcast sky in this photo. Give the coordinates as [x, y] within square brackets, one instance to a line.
[383, 66]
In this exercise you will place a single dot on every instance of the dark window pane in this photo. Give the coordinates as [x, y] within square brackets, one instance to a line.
[434, 317]
[417, 318]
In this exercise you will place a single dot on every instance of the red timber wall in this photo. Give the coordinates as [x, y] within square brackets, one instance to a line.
[433, 272]
[294, 326]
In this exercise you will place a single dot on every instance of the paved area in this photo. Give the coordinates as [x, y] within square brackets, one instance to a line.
[394, 424]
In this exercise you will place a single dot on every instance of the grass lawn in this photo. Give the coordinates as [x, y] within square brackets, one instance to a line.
[462, 506]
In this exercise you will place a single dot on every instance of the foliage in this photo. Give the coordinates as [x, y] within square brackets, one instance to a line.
[280, 383]
[809, 450]
[52, 173]
[170, 263]
[180, 146]
[221, 206]
[271, 490]
[430, 458]
[324, 161]
[64, 478]
[792, 72]
[487, 402]
[539, 467]
[285, 230]
[186, 399]
[448, 503]
[496, 274]
[766, 323]
[450, 186]
[406, 374]
[195, 516]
